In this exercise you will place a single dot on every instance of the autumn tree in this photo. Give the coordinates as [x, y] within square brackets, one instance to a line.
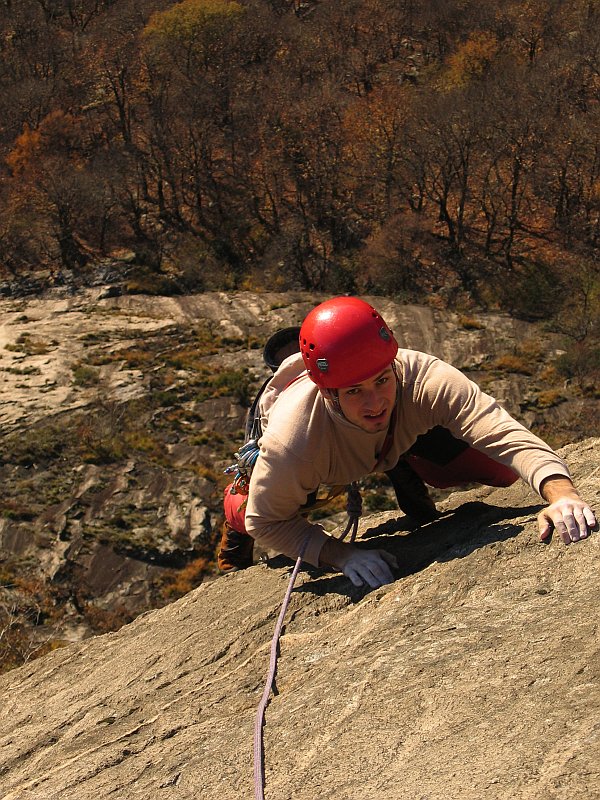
[375, 137]
[274, 142]
[51, 178]
[203, 63]
[32, 69]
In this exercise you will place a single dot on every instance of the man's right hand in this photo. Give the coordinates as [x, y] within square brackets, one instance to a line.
[371, 567]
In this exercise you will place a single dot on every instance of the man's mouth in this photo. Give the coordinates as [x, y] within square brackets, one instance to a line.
[378, 416]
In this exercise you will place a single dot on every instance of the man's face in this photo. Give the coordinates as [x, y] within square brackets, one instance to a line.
[369, 404]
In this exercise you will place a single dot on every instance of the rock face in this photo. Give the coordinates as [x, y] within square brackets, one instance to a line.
[103, 523]
[42, 340]
[475, 674]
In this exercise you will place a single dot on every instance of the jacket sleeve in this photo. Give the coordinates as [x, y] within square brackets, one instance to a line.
[458, 404]
[279, 487]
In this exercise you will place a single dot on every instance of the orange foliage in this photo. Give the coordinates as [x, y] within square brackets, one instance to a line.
[57, 135]
[471, 60]
[180, 582]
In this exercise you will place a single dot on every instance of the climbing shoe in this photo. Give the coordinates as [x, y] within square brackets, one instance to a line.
[412, 493]
[235, 550]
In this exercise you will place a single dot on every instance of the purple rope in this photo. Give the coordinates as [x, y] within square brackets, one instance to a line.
[259, 770]
[354, 508]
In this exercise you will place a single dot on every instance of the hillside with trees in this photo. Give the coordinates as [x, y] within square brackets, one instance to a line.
[441, 150]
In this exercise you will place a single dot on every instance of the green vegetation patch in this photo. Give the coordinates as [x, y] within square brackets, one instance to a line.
[378, 501]
[84, 375]
[22, 370]
[31, 345]
[39, 444]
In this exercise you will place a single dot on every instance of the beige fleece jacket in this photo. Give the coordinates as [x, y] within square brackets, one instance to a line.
[307, 443]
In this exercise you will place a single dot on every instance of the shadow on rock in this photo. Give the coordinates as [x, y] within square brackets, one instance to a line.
[455, 534]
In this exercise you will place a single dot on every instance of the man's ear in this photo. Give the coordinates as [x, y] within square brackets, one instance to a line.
[329, 394]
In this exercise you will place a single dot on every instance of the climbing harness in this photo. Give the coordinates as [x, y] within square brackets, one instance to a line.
[242, 468]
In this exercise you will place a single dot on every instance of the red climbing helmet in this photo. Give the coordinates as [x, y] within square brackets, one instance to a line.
[344, 341]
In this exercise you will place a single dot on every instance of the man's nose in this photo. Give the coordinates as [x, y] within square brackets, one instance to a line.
[371, 398]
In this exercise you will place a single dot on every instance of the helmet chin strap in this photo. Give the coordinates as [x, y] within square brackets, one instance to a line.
[334, 398]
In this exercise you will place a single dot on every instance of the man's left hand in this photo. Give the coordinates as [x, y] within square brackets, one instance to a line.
[573, 520]
[571, 516]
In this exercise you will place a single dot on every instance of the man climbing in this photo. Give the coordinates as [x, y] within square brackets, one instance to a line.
[351, 403]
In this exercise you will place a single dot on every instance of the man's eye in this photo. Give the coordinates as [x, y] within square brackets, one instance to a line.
[383, 379]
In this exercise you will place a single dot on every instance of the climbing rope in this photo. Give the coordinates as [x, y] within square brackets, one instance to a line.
[259, 767]
[354, 509]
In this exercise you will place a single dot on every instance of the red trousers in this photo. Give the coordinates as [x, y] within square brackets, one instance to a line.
[470, 466]
[234, 506]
